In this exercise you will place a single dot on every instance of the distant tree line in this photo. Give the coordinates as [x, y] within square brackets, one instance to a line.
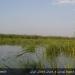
[33, 36]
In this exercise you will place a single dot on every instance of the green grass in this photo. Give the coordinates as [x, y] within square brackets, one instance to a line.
[54, 45]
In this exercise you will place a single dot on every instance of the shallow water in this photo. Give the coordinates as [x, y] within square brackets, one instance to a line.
[17, 57]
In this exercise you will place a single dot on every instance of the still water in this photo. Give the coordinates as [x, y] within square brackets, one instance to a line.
[17, 57]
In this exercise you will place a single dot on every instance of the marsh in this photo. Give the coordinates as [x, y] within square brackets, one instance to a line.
[18, 57]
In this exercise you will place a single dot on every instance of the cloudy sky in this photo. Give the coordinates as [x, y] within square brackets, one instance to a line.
[64, 1]
[40, 17]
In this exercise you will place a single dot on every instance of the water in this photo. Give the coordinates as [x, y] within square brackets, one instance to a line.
[15, 57]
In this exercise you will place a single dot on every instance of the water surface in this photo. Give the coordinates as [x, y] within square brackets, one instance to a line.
[18, 57]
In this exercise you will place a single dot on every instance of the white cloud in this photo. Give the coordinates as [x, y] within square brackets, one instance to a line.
[64, 1]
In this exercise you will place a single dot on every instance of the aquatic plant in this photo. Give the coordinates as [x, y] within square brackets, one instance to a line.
[53, 45]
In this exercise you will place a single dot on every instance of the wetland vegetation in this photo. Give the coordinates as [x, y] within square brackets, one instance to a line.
[28, 51]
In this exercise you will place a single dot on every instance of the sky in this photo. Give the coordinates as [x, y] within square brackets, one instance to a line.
[38, 17]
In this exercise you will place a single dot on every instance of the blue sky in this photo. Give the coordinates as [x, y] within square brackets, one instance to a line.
[40, 17]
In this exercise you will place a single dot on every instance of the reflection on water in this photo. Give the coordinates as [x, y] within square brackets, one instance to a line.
[7, 56]
[14, 57]
[65, 62]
